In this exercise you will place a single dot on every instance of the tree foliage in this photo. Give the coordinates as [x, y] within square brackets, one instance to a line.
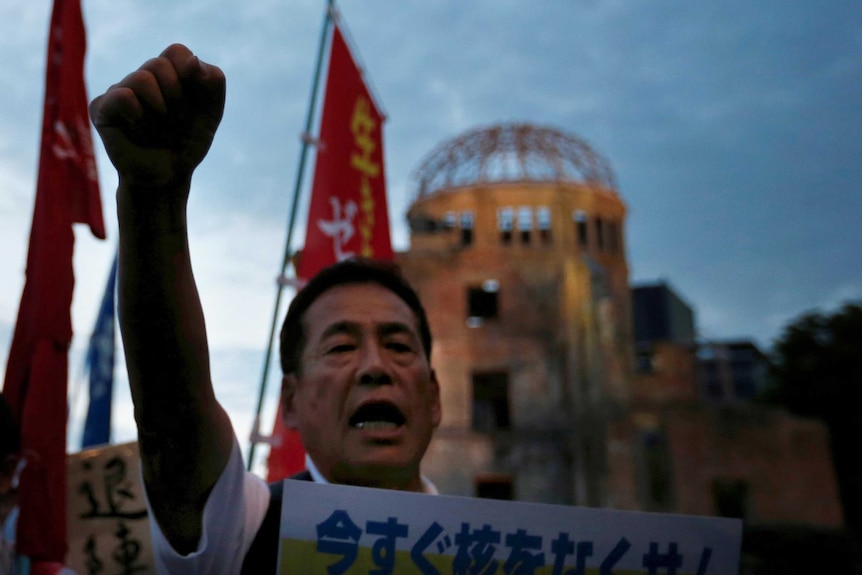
[817, 372]
[817, 369]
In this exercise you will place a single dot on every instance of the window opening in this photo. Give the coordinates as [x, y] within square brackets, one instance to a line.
[525, 223]
[483, 302]
[449, 220]
[613, 237]
[656, 466]
[491, 401]
[543, 215]
[580, 218]
[505, 223]
[466, 228]
[600, 234]
[730, 498]
[495, 486]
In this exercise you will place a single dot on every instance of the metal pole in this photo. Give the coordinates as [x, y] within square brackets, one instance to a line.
[303, 155]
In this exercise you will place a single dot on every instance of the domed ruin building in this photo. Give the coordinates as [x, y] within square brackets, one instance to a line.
[518, 250]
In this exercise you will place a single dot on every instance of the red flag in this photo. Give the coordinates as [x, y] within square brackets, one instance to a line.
[347, 216]
[286, 453]
[36, 373]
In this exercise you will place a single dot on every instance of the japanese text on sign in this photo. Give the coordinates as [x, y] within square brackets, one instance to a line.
[448, 535]
[108, 523]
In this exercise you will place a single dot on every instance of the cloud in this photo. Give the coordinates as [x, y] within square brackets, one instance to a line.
[732, 128]
[238, 260]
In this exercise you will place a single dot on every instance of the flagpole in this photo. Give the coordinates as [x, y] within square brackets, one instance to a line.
[303, 155]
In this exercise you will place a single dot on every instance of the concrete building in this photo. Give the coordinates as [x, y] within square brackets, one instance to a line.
[554, 388]
[522, 261]
[733, 370]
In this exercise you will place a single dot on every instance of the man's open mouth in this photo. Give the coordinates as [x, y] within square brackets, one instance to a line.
[379, 416]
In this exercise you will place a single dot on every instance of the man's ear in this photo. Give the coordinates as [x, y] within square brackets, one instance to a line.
[436, 405]
[288, 401]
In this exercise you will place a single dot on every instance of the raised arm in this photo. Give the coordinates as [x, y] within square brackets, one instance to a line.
[157, 125]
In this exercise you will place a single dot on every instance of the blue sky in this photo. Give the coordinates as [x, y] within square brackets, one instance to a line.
[733, 129]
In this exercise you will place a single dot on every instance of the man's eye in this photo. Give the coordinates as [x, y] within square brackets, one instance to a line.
[341, 348]
[399, 347]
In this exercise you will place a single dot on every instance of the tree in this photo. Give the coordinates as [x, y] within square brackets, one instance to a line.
[817, 372]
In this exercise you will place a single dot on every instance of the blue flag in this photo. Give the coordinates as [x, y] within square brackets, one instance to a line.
[100, 364]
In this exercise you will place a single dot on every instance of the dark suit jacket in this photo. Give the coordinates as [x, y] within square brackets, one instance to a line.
[262, 556]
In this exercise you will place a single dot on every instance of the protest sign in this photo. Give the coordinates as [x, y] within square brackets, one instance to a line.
[109, 530]
[352, 530]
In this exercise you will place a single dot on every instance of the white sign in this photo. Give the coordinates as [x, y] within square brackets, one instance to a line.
[341, 529]
[109, 530]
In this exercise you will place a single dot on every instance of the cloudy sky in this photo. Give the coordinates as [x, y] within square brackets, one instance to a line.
[733, 128]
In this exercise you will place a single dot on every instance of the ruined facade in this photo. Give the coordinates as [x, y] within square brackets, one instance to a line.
[518, 250]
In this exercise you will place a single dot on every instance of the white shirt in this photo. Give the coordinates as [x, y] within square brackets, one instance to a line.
[427, 486]
[233, 513]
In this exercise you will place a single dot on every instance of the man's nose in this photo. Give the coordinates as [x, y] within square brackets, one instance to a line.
[373, 370]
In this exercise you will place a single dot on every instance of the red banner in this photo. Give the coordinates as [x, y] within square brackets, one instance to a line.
[348, 215]
[36, 374]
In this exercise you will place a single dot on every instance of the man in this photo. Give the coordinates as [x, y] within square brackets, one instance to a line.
[355, 345]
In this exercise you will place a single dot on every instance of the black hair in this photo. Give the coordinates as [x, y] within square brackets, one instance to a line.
[352, 271]
[10, 437]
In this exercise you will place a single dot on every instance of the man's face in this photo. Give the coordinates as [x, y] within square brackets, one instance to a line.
[366, 400]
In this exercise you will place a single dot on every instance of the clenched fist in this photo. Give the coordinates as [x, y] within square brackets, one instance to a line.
[158, 123]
